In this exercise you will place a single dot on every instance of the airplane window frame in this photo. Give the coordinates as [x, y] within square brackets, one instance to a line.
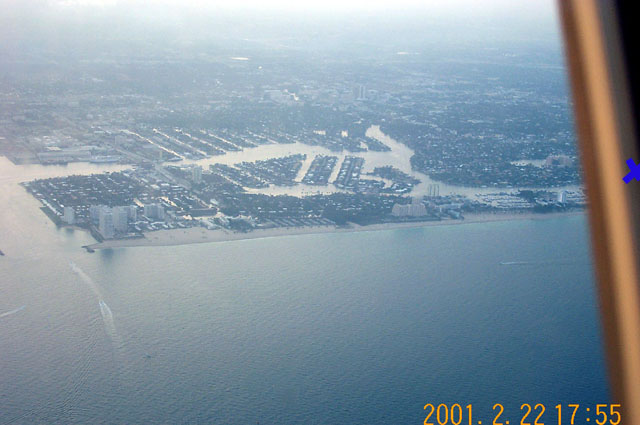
[607, 136]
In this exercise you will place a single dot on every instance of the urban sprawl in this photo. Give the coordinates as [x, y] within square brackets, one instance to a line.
[242, 144]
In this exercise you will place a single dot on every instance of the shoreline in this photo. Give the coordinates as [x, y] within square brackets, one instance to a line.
[194, 235]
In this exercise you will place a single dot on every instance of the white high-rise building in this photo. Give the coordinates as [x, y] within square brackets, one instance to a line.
[94, 213]
[133, 213]
[106, 223]
[149, 210]
[155, 211]
[121, 219]
[69, 216]
[414, 209]
[562, 196]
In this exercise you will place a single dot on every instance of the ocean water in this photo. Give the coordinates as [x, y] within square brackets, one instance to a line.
[345, 328]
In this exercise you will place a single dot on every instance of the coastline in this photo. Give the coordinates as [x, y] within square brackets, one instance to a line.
[195, 235]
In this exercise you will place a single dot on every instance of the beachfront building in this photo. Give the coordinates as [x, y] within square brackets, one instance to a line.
[133, 213]
[94, 213]
[105, 225]
[121, 219]
[155, 211]
[562, 196]
[415, 209]
[69, 216]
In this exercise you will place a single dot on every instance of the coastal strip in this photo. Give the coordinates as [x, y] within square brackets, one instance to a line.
[195, 235]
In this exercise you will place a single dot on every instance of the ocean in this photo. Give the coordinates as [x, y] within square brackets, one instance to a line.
[335, 328]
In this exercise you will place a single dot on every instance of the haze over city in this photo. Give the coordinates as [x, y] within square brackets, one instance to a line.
[288, 212]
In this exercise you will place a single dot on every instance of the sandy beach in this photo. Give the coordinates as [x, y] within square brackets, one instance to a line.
[201, 235]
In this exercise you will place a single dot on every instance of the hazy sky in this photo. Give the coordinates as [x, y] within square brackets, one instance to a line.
[465, 19]
[533, 9]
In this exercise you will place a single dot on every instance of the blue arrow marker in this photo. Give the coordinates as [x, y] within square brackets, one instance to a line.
[634, 172]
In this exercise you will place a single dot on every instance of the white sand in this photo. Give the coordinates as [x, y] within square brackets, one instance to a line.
[201, 235]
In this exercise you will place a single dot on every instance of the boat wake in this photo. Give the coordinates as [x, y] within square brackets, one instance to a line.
[515, 263]
[9, 313]
[105, 311]
[107, 316]
[538, 263]
[86, 279]
[109, 324]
